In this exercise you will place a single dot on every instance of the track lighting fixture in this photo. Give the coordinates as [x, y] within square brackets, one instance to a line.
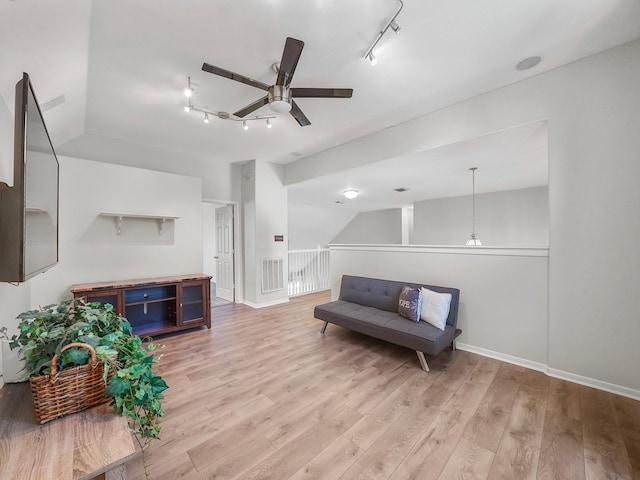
[222, 115]
[390, 24]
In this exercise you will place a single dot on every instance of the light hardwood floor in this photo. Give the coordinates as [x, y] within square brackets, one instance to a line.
[264, 395]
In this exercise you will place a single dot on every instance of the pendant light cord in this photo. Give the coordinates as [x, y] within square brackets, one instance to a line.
[473, 199]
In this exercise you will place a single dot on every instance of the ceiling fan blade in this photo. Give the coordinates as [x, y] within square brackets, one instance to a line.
[290, 56]
[234, 76]
[300, 117]
[321, 92]
[243, 112]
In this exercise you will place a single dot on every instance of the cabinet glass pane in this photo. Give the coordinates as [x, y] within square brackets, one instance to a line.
[192, 303]
[111, 299]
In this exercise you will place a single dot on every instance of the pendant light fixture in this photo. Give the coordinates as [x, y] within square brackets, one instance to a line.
[473, 240]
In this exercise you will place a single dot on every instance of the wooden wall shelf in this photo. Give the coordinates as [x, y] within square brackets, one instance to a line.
[158, 305]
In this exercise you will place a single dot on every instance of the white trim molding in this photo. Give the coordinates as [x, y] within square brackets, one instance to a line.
[447, 249]
[552, 372]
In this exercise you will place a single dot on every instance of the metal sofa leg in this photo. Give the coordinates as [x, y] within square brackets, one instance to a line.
[423, 361]
[453, 345]
[324, 327]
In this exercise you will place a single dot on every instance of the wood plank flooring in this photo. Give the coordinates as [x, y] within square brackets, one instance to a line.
[264, 395]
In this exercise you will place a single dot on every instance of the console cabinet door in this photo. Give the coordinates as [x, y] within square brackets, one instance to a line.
[194, 303]
[114, 297]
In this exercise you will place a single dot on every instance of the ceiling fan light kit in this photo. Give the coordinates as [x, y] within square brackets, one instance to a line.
[280, 96]
[279, 100]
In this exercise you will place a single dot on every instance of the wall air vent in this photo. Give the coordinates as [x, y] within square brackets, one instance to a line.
[272, 274]
[401, 189]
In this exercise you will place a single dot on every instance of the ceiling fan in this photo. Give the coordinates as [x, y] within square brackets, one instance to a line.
[280, 96]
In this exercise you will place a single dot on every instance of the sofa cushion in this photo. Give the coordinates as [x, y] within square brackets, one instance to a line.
[435, 307]
[389, 326]
[410, 303]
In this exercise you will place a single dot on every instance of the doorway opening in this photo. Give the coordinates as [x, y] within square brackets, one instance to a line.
[218, 259]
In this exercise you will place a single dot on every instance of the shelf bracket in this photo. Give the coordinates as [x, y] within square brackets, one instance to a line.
[118, 225]
[161, 222]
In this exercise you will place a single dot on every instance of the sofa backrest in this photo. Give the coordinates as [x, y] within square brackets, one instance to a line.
[384, 294]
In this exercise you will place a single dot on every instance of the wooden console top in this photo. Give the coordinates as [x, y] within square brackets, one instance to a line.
[80, 446]
[139, 282]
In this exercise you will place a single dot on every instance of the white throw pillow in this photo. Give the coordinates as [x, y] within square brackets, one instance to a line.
[435, 307]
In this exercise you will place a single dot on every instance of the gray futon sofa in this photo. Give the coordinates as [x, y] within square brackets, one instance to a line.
[370, 306]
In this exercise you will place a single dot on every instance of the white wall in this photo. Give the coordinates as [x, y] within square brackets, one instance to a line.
[310, 226]
[264, 199]
[90, 249]
[592, 110]
[380, 226]
[219, 181]
[516, 218]
[503, 292]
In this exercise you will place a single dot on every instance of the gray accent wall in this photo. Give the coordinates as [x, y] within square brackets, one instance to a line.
[379, 227]
[514, 218]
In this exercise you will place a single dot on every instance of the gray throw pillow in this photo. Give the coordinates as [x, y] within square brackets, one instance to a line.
[410, 303]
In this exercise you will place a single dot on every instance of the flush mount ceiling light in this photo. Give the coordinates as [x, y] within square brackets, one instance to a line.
[473, 240]
[190, 107]
[528, 63]
[390, 24]
[351, 194]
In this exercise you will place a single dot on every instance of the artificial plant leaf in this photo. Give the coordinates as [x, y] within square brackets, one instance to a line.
[77, 356]
[117, 386]
[158, 384]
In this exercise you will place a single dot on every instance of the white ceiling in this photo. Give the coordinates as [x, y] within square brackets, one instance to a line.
[121, 66]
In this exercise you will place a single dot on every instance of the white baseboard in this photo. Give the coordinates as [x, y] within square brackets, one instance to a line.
[268, 304]
[591, 382]
[541, 367]
[552, 372]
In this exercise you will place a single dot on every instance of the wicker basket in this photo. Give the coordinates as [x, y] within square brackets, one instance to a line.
[69, 391]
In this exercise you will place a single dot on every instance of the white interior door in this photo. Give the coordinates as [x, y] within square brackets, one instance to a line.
[224, 253]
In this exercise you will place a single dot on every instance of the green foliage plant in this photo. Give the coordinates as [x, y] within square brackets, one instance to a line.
[136, 389]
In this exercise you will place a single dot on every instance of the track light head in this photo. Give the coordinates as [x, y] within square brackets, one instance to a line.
[206, 118]
[372, 58]
[395, 27]
[245, 126]
[269, 125]
[188, 108]
[188, 92]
